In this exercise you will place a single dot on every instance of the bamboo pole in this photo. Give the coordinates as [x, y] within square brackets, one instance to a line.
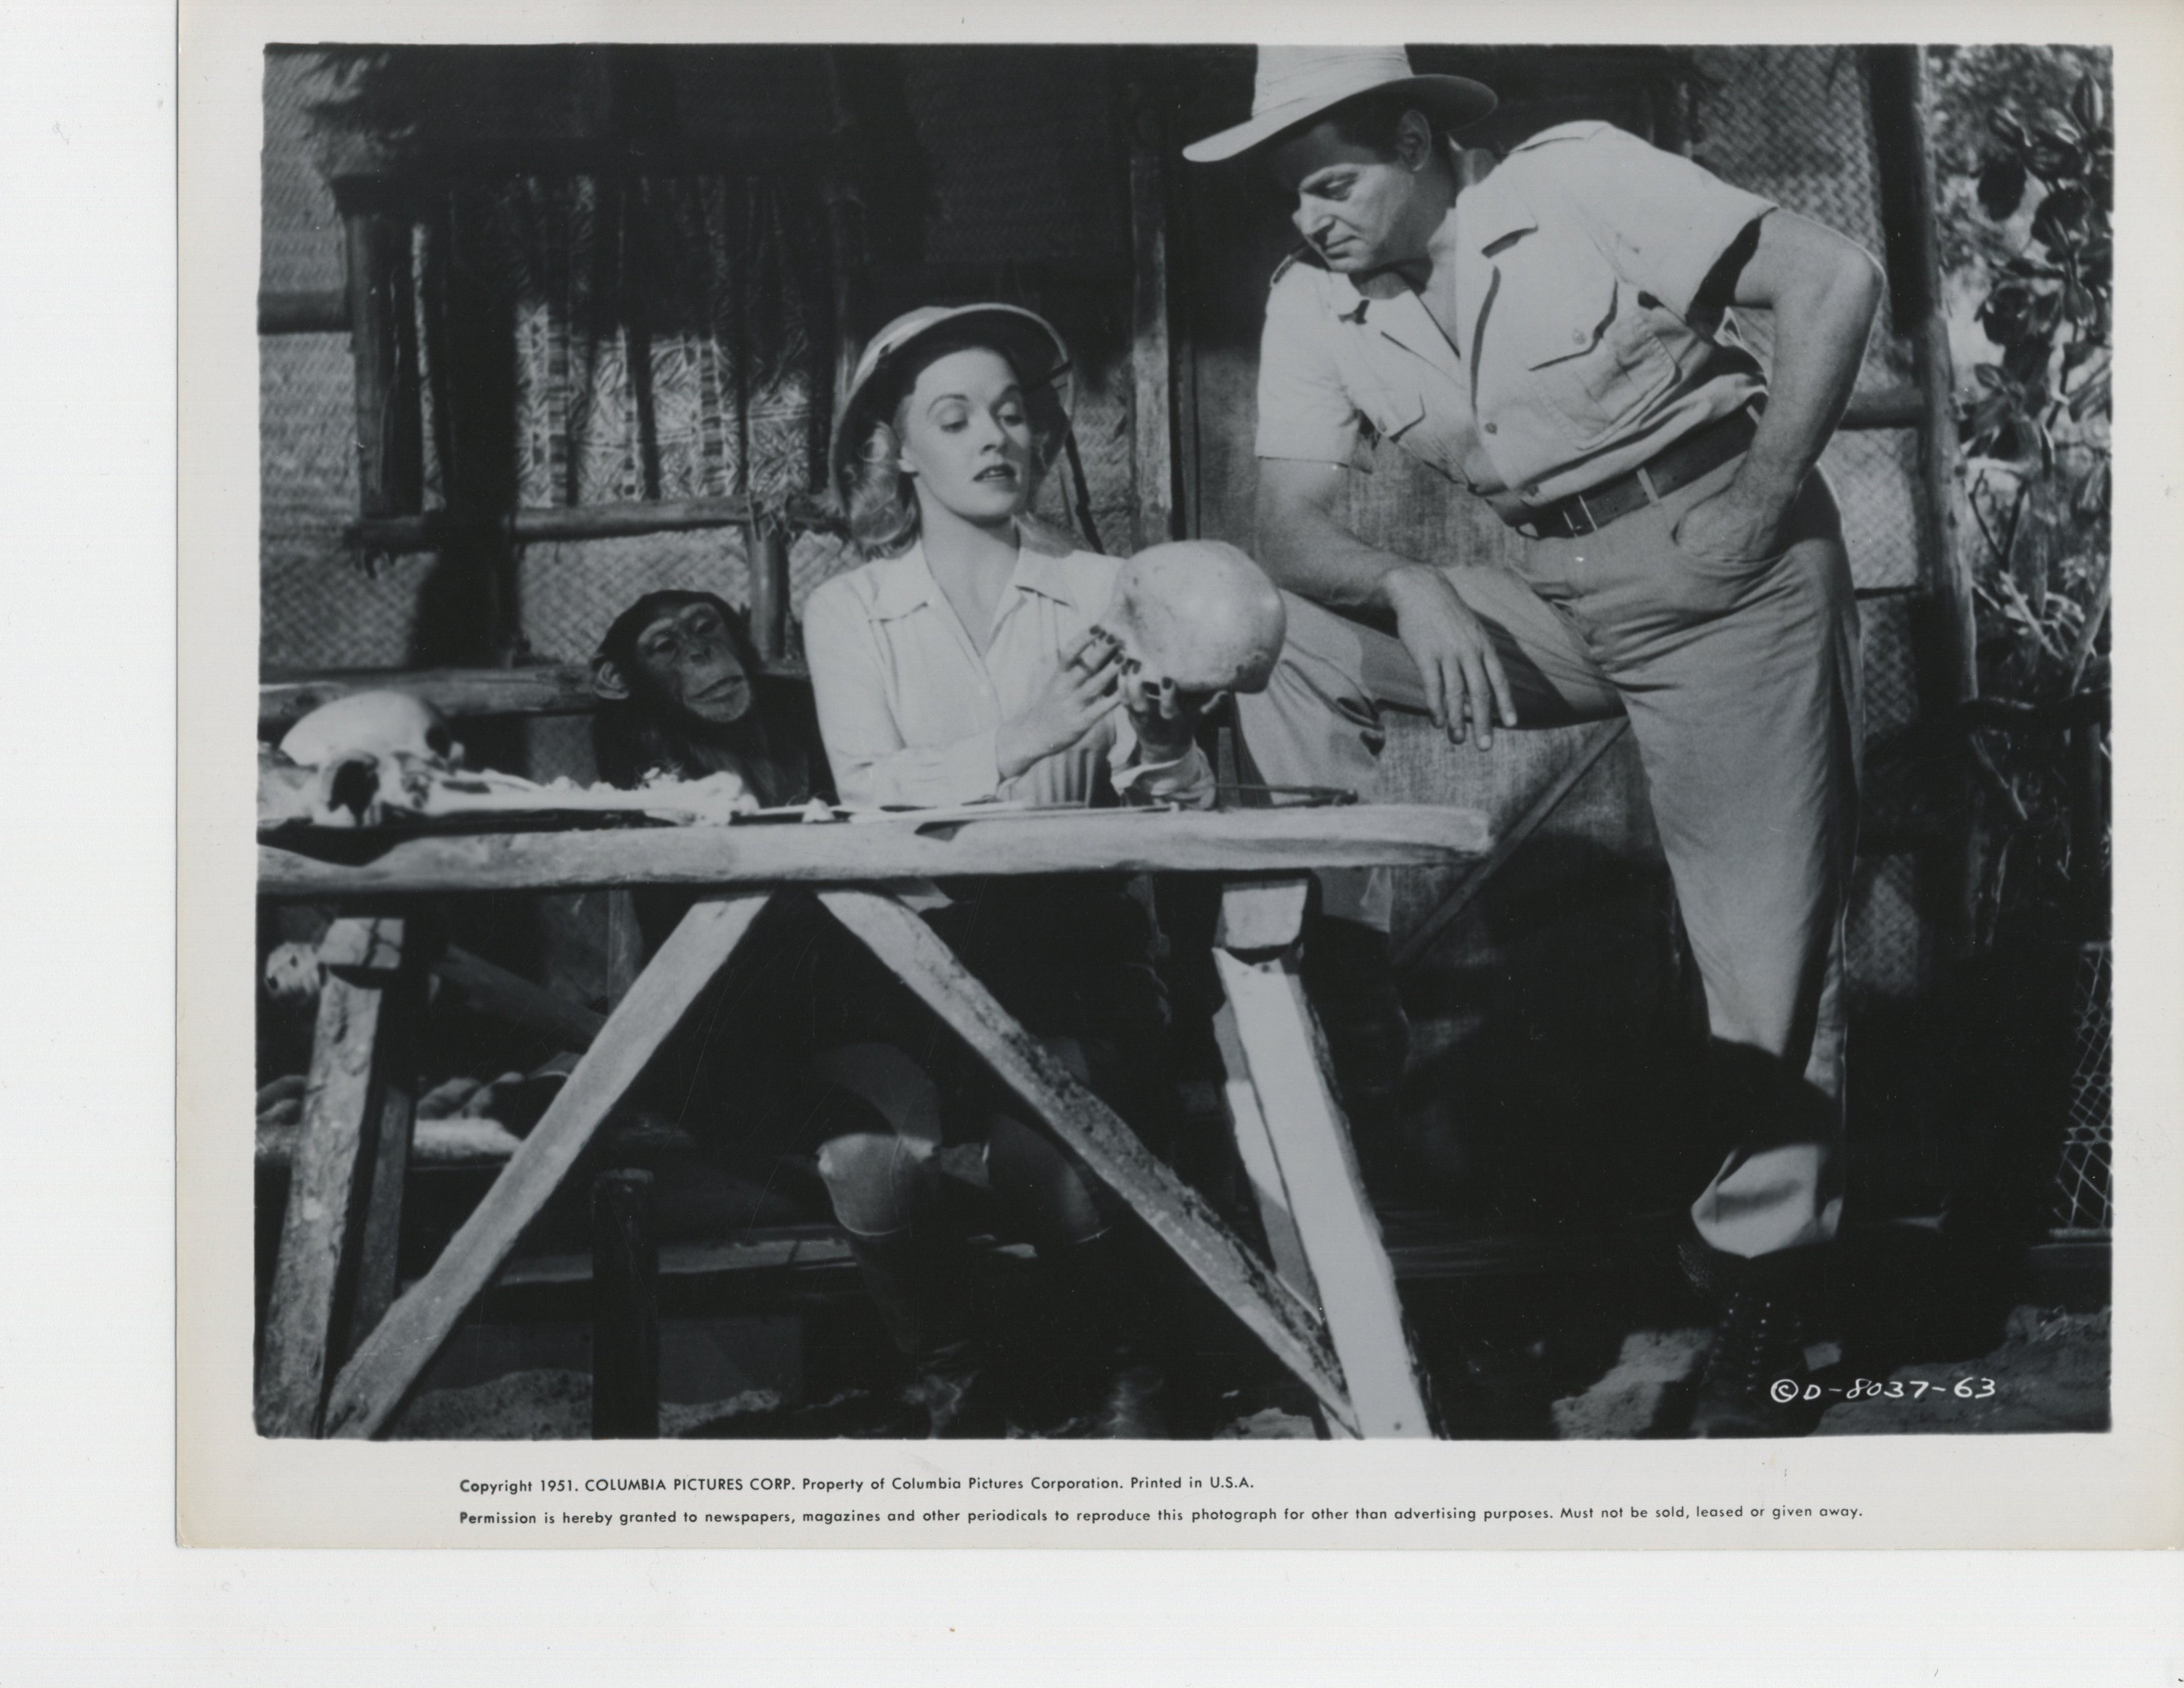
[1152, 433]
[430, 530]
[1945, 636]
[625, 1308]
[564, 689]
[390, 418]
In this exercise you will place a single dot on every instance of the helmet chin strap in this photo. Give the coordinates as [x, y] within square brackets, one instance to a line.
[1082, 488]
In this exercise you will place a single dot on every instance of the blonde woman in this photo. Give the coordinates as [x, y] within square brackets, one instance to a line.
[960, 663]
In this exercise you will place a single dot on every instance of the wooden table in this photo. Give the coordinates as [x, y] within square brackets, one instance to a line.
[1324, 1305]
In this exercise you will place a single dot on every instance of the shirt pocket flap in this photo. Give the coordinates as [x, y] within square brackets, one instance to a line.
[1389, 409]
[1567, 316]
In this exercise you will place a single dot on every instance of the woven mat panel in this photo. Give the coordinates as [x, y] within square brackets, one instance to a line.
[1889, 668]
[317, 607]
[1889, 951]
[1875, 476]
[572, 590]
[300, 242]
[1793, 123]
[2084, 1197]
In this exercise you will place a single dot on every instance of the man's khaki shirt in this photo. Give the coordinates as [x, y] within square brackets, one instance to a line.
[1579, 258]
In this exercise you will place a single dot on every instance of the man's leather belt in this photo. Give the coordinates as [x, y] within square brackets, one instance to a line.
[1678, 466]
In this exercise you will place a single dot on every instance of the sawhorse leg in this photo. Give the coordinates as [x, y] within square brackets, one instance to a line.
[336, 1271]
[1171, 1209]
[1296, 1146]
[372, 1385]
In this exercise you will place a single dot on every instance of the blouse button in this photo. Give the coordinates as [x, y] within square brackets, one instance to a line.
[1493, 427]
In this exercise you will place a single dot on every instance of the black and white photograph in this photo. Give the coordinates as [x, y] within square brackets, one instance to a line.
[1182, 744]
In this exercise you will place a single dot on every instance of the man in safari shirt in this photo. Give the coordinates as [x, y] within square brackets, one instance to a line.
[1553, 339]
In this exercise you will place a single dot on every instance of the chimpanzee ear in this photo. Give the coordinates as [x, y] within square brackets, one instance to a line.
[608, 680]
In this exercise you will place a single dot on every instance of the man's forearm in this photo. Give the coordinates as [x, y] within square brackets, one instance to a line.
[1308, 552]
[1821, 327]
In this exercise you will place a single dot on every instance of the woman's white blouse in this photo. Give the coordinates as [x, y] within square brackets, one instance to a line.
[910, 710]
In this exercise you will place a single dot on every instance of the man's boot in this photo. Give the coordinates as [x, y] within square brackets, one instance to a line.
[1755, 1375]
[921, 1288]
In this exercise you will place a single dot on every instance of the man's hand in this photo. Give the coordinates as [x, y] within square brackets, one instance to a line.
[1733, 527]
[1076, 698]
[1464, 682]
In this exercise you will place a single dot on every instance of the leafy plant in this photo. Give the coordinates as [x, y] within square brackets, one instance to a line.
[2034, 426]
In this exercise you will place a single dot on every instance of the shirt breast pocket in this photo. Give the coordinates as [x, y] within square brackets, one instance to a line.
[1596, 363]
[1390, 410]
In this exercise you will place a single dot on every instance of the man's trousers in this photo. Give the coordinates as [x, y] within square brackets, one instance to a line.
[1741, 683]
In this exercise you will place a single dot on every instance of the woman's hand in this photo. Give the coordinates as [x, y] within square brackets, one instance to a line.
[1076, 698]
[1165, 719]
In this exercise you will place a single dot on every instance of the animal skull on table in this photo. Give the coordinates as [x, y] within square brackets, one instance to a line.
[372, 751]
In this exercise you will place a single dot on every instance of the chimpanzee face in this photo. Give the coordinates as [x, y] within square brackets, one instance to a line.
[687, 658]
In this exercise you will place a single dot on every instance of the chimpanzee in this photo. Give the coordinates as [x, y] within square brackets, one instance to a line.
[682, 691]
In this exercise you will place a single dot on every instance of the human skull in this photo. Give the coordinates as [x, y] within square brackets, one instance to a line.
[373, 751]
[1199, 613]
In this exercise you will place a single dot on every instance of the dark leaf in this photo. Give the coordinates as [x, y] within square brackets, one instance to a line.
[2097, 260]
[2006, 129]
[1990, 376]
[2091, 398]
[2015, 311]
[1980, 431]
[2093, 492]
[2064, 216]
[2026, 364]
[2075, 352]
[2057, 128]
[2088, 104]
[2100, 180]
[2001, 185]
[2054, 161]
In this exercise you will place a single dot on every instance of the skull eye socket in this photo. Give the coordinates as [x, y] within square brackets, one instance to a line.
[437, 742]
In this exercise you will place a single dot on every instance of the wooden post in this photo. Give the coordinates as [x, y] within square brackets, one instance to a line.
[625, 946]
[1171, 1209]
[390, 425]
[1152, 429]
[379, 1250]
[846, 230]
[625, 1308]
[510, 996]
[1263, 1170]
[1334, 1221]
[331, 1175]
[373, 1384]
[769, 590]
[1945, 640]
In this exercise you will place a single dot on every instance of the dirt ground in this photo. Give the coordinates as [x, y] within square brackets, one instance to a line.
[2051, 1373]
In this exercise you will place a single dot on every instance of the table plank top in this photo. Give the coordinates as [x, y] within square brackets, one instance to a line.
[839, 853]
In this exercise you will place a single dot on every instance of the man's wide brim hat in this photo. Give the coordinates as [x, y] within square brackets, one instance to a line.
[1296, 84]
[1033, 345]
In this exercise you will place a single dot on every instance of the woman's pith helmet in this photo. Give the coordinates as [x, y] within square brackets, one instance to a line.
[1034, 349]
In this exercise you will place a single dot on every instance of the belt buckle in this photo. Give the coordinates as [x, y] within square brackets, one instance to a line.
[1577, 502]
